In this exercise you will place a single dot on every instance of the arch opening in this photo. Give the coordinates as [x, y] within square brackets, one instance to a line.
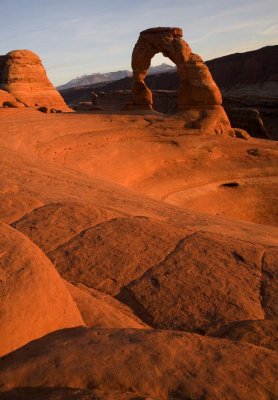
[196, 87]
[199, 98]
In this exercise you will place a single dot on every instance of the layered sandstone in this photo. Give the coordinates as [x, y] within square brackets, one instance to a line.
[24, 77]
[199, 97]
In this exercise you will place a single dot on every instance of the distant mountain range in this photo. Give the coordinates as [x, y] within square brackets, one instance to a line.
[97, 78]
[251, 73]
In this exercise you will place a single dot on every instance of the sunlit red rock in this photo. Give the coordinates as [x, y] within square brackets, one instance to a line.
[147, 363]
[167, 237]
[33, 298]
[199, 97]
[23, 76]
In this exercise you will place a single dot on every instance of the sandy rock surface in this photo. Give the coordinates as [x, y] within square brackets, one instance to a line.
[154, 156]
[34, 300]
[101, 310]
[145, 363]
[132, 245]
[261, 332]
[158, 228]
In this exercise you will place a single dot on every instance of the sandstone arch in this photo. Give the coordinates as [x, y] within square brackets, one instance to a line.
[199, 97]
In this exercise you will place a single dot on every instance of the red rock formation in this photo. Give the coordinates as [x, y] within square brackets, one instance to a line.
[6, 97]
[199, 97]
[148, 364]
[23, 76]
[261, 332]
[33, 298]
[101, 310]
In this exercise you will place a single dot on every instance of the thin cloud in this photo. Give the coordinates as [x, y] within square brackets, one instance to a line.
[271, 30]
[227, 29]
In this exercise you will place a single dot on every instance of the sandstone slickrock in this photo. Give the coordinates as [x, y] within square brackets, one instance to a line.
[150, 363]
[23, 76]
[33, 298]
[131, 246]
[62, 185]
[199, 97]
[207, 281]
[269, 286]
[261, 333]
[101, 310]
[43, 393]
[54, 224]
[170, 164]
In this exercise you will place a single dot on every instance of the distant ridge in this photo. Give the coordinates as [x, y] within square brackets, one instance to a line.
[96, 78]
[254, 73]
[91, 79]
[256, 67]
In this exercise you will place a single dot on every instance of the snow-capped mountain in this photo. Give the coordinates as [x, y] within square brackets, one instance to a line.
[110, 76]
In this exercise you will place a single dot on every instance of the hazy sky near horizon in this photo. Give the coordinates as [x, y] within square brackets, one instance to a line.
[76, 37]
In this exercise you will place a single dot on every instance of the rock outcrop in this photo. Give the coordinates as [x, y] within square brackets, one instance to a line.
[5, 97]
[199, 97]
[145, 363]
[151, 241]
[33, 298]
[62, 185]
[23, 76]
[172, 292]
[101, 310]
[260, 333]
[248, 119]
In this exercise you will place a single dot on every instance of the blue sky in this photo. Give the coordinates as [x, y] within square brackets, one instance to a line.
[76, 37]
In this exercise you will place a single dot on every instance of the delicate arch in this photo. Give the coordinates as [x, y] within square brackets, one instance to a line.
[196, 84]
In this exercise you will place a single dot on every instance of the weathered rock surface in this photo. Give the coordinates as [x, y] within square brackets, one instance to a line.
[261, 333]
[242, 134]
[13, 104]
[269, 287]
[33, 298]
[46, 393]
[62, 178]
[199, 97]
[171, 164]
[249, 119]
[262, 120]
[54, 224]
[144, 362]
[131, 246]
[101, 310]
[23, 76]
[207, 281]
[6, 97]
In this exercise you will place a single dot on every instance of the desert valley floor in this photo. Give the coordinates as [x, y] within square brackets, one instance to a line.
[138, 259]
